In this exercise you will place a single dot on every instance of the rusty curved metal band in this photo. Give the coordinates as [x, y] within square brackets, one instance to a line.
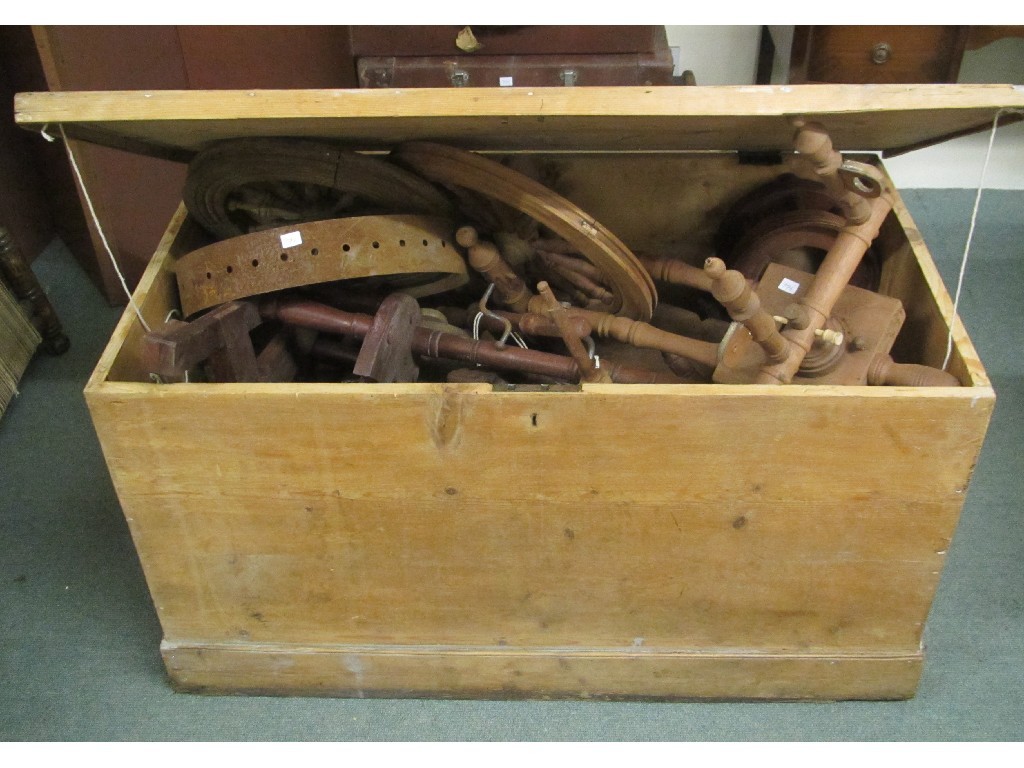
[218, 174]
[633, 289]
[414, 254]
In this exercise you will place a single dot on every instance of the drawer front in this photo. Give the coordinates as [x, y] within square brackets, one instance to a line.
[867, 54]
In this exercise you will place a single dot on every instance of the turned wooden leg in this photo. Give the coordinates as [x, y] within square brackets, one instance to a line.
[25, 286]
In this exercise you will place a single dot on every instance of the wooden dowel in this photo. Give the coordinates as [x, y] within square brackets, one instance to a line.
[641, 334]
[438, 344]
[676, 272]
[578, 280]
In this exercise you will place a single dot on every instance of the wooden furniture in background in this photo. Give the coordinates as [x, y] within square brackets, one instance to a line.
[18, 342]
[886, 54]
[524, 40]
[493, 56]
[123, 187]
[133, 194]
[38, 199]
[128, 190]
[864, 54]
[25, 286]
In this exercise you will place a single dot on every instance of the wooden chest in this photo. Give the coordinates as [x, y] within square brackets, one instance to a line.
[427, 57]
[655, 541]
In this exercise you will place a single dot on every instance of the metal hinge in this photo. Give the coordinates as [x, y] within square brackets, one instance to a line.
[760, 157]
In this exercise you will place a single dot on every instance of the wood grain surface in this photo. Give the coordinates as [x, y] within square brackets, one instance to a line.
[599, 673]
[863, 117]
[443, 539]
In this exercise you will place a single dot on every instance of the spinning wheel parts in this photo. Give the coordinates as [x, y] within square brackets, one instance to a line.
[798, 239]
[289, 212]
[790, 221]
[632, 287]
[235, 187]
[413, 253]
[784, 194]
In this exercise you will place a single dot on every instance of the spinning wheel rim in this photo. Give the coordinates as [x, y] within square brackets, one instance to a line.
[627, 279]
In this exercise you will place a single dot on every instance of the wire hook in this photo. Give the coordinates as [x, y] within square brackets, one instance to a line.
[485, 312]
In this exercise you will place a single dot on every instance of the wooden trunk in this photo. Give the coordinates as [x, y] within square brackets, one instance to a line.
[648, 541]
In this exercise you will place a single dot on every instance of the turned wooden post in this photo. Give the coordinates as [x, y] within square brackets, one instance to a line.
[885, 371]
[485, 258]
[676, 271]
[814, 144]
[733, 292]
[514, 293]
[638, 333]
[25, 287]
[864, 216]
[589, 370]
[829, 282]
[641, 334]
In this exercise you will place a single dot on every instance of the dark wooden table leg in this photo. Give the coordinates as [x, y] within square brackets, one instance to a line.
[25, 287]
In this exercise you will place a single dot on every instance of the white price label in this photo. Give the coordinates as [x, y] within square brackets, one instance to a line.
[291, 239]
[504, 82]
[789, 286]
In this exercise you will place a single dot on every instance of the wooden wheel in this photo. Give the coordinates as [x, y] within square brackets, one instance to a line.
[633, 289]
[799, 239]
[246, 185]
[786, 193]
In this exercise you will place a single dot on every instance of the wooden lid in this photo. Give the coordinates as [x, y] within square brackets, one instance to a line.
[175, 124]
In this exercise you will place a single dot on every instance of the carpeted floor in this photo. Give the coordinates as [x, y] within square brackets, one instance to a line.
[79, 638]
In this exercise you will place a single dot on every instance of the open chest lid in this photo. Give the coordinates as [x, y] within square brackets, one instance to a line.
[176, 124]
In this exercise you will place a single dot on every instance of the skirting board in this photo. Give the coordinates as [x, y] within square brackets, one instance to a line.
[536, 673]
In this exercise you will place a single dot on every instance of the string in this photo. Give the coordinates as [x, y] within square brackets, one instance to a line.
[970, 231]
[96, 222]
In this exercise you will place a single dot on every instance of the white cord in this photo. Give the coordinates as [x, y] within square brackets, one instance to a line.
[96, 223]
[970, 232]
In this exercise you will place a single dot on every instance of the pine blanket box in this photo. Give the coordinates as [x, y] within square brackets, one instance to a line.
[619, 541]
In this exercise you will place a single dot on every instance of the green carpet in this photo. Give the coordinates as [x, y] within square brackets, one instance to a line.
[79, 638]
